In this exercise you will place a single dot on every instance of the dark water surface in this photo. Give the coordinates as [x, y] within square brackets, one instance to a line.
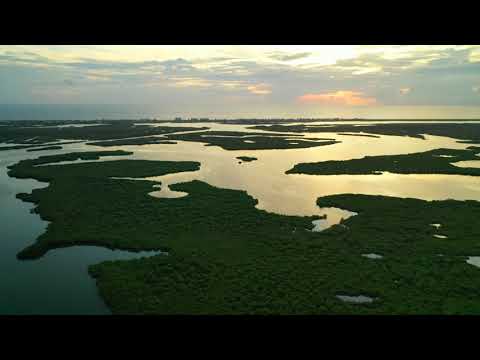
[57, 283]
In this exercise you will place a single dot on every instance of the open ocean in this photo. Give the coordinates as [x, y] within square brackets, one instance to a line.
[152, 111]
[78, 112]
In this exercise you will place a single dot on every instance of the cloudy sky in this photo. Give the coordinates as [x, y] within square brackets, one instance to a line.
[250, 81]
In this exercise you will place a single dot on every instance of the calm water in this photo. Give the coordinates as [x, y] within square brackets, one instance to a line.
[265, 179]
[72, 112]
[151, 111]
[58, 283]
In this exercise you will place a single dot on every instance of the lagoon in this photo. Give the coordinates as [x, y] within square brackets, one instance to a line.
[58, 283]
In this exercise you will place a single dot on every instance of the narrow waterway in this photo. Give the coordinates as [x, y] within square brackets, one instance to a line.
[58, 283]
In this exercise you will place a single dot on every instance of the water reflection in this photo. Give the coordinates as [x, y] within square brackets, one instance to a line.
[373, 256]
[359, 299]
[333, 216]
[467, 164]
[166, 192]
[474, 260]
[166, 180]
[169, 179]
[59, 283]
[296, 194]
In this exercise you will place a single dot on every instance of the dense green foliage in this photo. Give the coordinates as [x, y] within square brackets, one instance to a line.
[302, 272]
[469, 132]
[21, 147]
[236, 140]
[89, 195]
[227, 257]
[429, 162]
[28, 168]
[119, 129]
[17, 147]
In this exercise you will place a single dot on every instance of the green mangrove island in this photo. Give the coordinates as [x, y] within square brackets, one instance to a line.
[215, 251]
[246, 158]
[436, 161]
[466, 132]
[29, 133]
[55, 147]
[237, 140]
[135, 141]
[225, 256]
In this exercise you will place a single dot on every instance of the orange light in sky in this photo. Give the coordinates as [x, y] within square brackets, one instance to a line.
[347, 97]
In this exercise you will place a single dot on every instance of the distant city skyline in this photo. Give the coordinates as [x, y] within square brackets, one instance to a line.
[438, 81]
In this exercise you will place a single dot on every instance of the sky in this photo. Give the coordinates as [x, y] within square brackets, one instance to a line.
[370, 81]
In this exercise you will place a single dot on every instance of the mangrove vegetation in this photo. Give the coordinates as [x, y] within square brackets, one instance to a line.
[438, 161]
[225, 256]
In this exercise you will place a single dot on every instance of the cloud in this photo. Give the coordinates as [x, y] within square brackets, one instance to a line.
[189, 82]
[343, 97]
[384, 75]
[406, 59]
[474, 55]
[281, 56]
[260, 89]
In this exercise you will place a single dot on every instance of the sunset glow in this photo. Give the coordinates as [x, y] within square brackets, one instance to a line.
[271, 80]
[349, 98]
